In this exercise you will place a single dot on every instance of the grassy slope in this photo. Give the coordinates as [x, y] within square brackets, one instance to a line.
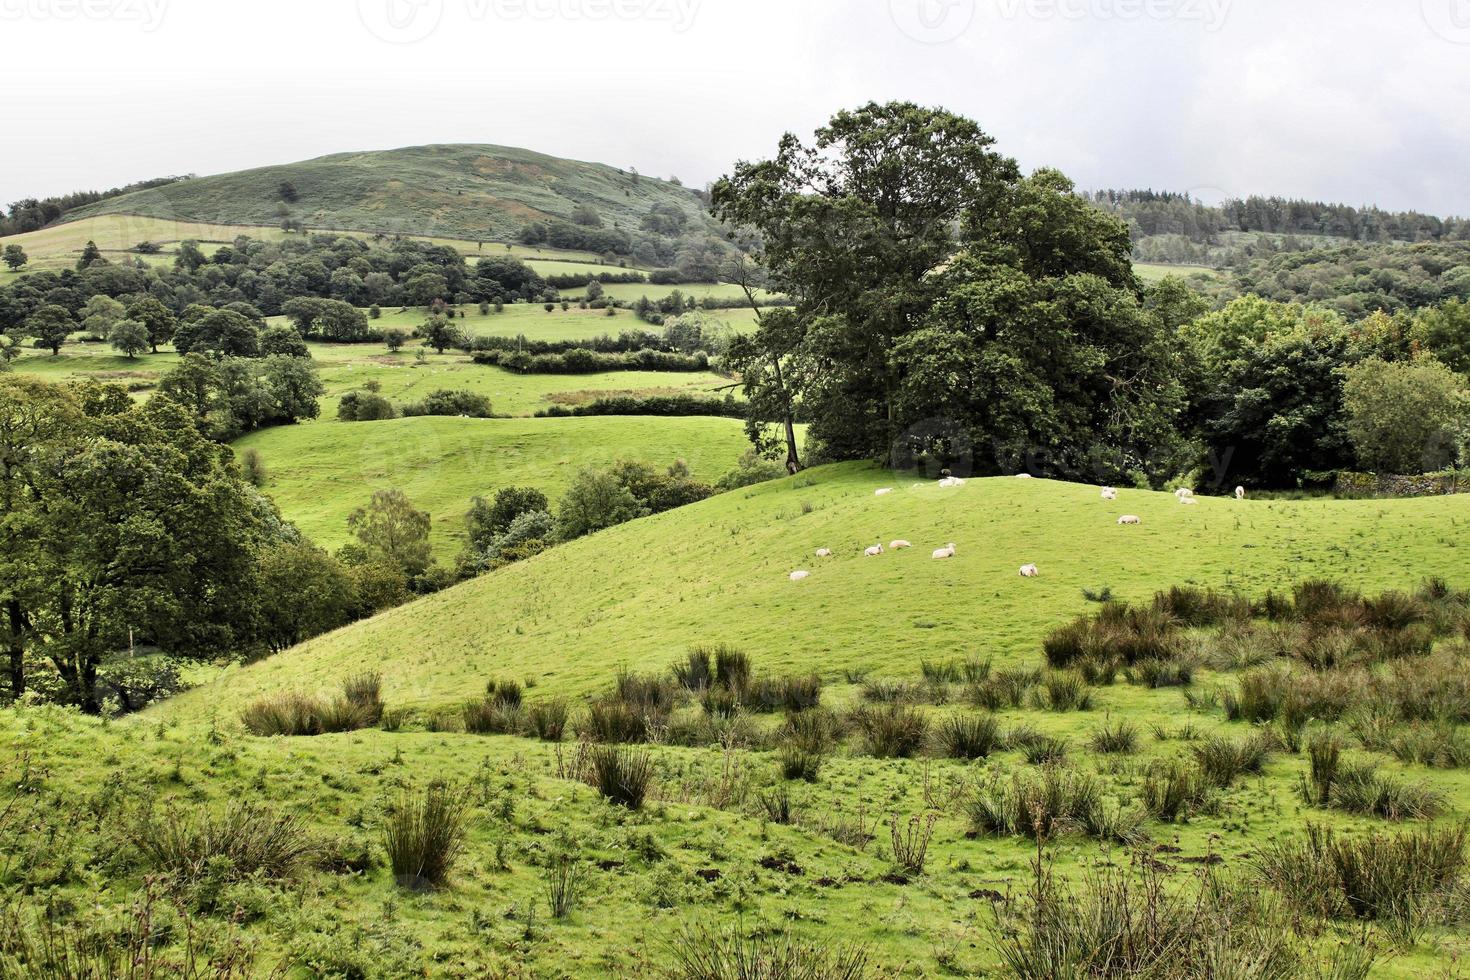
[461, 191]
[717, 572]
[320, 472]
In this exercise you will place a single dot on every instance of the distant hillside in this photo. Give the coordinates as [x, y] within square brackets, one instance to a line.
[453, 191]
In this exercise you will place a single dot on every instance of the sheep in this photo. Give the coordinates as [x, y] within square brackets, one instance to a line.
[874, 551]
[1030, 571]
[1023, 476]
[883, 493]
[1188, 500]
[1130, 519]
[1183, 493]
[1108, 493]
[1240, 493]
[951, 481]
[898, 545]
[799, 575]
[947, 551]
[824, 552]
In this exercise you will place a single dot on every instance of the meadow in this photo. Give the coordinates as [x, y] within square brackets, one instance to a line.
[534, 322]
[552, 879]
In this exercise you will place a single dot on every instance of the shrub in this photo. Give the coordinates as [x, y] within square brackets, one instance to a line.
[910, 840]
[1324, 754]
[1173, 791]
[1374, 876]
[708, 953]
[565, 879]
[1064, 691]
[623, 776]
[892, 731]
[611, 720]
[817, 729]
[649, 694]
[720, 702]
[1196, 607]
[549, 719]
[1044, 750]
[244, 840]
[446, 402]
[1119, 738]
[1221, 759]
[967, 736]
[506, 694]
[1440, 745]
[732, 668]
[800, 763]
[423, 836]
[694, 673]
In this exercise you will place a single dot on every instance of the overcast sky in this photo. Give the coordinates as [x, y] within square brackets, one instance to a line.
[1363, 101]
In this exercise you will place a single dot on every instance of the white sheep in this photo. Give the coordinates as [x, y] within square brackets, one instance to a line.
[1023, 476]
[824, 552]
[874, 551]
[883, 492]
[951, 481]
[1188, 500]
[1130, 519]
[898, 545]
[947, 551]
[1240, 493]
[1030, 571]
[1108, 493]
[1183, 493]
[799, 575]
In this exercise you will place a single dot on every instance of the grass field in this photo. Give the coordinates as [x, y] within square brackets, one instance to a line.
[321, 471]
[706, 849]
[532, 321]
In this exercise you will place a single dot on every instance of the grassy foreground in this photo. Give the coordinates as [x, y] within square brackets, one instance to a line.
[712, 845]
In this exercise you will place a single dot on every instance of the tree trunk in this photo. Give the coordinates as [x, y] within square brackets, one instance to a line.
[793, 461]
[15, 648]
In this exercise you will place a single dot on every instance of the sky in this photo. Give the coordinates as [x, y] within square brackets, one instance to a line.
[1358, 101]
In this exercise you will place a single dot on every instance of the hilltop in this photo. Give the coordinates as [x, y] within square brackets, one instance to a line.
[465, 191]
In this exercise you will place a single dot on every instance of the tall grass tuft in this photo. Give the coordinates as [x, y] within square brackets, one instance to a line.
[704, 952]
[245, 840]
[548, 719]
[623, 776]
[423, 835]
[891, 731]
[1064, 690]
[695, 672]
[1221, 760]
[1110, 738]
[965, 736]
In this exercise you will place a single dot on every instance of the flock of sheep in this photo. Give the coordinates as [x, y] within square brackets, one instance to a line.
[1184, 495]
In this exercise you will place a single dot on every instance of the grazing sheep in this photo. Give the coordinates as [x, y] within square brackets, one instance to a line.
[898, 545]
[951, 481]
[1023, 476]
[1183, 493]
[1130, 519]
[874, 551]
[1030, 571]
[946, 552]
[798, 576]
[883, 493]
[1240, 493]
[824, 552]
[1108, 493]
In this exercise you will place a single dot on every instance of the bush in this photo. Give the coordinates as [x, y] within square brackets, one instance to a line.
[444, 401]
[1221, 760]
[423, 835]
[1064, 691]
[548, 719]
[892, 731]
[1258, 698]
[1119, 738]
[299, 714]
[709, 953]
[1374, 876]
[695, 672]
[365, 406]
[244, 840]
[1172, 791]
[610, 720]
[750, 470]
[622, 776]
[732, 668]
[967, 736]
[800, 763]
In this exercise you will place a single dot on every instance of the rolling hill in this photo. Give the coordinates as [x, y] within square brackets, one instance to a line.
[474, 192]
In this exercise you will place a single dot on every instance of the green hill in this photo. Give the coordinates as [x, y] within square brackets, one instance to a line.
[475, 192]
[717, 572]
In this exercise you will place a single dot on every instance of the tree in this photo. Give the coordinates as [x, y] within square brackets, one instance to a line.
[440, 334]
[91, 255]
[391, 529]
[1405, 417]
[129, 337]
[424, 288]
[597, 499]
[394, 339]
[293, 386]
[50, 325]
[100, 313]
[303, 591]
[158, 319]
[190, 256]
[287, 192]
[15, 257]
[283, 339]
[222, 332]
[1444, 331]
[486, 520]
